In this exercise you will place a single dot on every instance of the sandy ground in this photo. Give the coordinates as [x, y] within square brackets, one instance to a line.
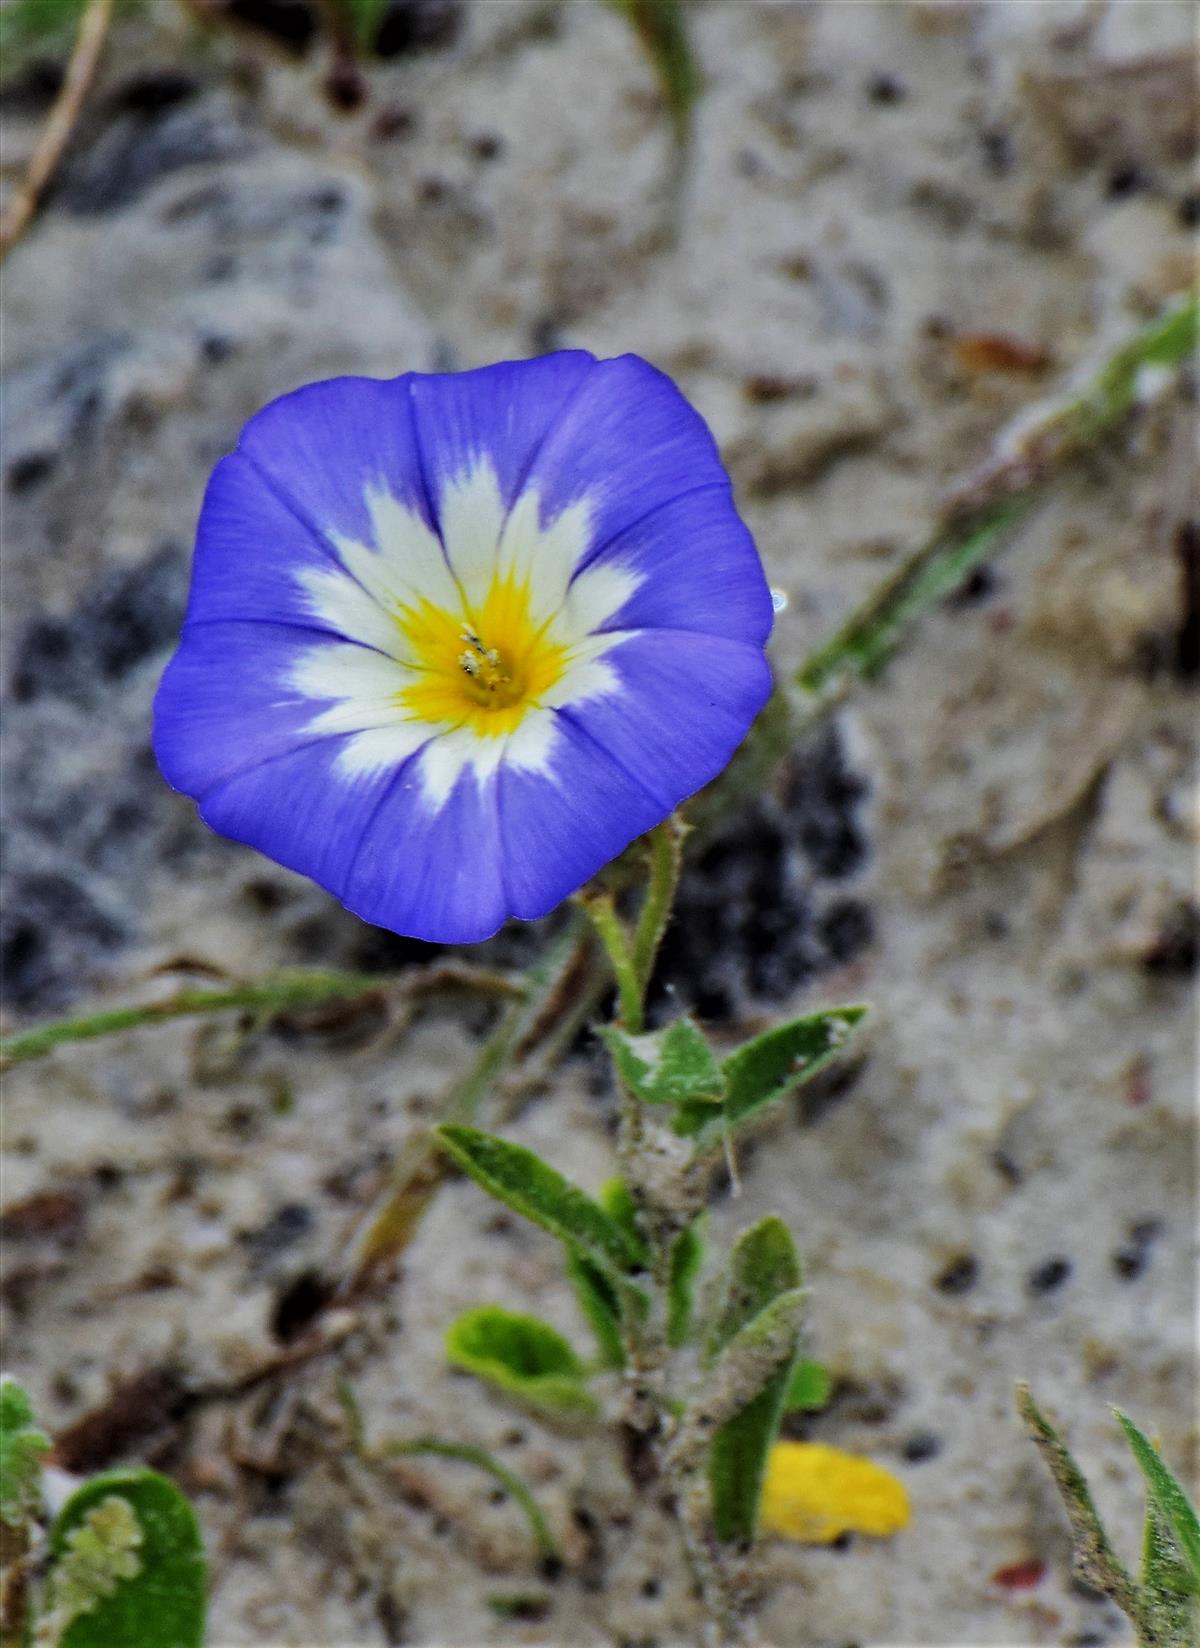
[994, 845]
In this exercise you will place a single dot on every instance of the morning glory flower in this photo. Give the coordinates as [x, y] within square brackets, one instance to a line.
[453, 641]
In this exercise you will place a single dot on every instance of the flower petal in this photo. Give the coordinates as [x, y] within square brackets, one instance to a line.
[229, 701]
[326, 448]
[815, 1493]
[256, 560]
[683, 705]
[564, 818]
[690, 564]
[430, 872]
[628, 443]
[499, 415]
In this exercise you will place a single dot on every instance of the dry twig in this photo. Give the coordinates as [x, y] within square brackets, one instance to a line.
[56, 133]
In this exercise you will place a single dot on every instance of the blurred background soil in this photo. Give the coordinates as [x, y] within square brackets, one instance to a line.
[994, 845]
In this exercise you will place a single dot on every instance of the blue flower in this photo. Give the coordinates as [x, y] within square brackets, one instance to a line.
[454, 641]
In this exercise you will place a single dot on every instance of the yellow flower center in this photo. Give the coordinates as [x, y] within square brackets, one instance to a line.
[484, 669]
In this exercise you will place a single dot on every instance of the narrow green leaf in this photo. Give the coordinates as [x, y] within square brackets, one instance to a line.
[1169, 1594]
[866, 643]
[523, 1181]
[763, 1268]
[1164, 1489]
[763, 1264]
[687, 1255]
[127, 1565]
[661, 27]
[524, 1357]
[732, 1422]
[479, 1457]
[769, 1068]
[22, 1448]
[600, 1304]
[670, 1066]
[809, 1389]
[1095, 1560]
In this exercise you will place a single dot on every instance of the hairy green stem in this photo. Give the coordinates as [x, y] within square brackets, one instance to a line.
[665, 846]
[270, 995]
[610, 930]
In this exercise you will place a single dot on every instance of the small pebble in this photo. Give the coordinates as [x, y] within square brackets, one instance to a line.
[922, 1445]
[1044, 1278]
[959, 1276]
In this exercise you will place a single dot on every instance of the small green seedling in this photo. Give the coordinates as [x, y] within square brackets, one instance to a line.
[1163, 1603]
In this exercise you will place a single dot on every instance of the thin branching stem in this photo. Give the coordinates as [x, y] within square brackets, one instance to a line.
[60, 123]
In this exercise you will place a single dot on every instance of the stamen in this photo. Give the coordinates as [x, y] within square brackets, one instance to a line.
[483, 664]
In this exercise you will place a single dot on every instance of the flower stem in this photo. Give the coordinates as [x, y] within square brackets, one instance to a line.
[611, 932]
[666, 860]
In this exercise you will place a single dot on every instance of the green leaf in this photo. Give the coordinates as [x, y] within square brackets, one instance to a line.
[732, 1422]
[1172, 1503]
[687, 1255]
[763, 1268]
[769, 1068]
[661, 27]
[22, 1448]
[671, 1066]
[763, 1264]
[599, 1299]
[809, 1388]
[523, 1356]
[523, 1181]
[600, 1304]
[127, 1565]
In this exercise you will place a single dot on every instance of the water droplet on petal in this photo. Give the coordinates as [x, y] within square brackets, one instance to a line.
[779, 599]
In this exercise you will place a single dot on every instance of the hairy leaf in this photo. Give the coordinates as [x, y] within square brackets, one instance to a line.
[671, 1066]
[128, 1564]
[523, 1181]
[1163, 1488]
[763, 1264]
[763, 1269]
[769, 1068]
[687, 1255]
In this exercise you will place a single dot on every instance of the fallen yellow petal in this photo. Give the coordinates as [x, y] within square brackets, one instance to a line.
[816, 1493]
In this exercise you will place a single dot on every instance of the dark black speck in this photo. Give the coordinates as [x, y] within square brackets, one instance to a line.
[417, 25]
[885, 89]
[1176, 950]
[1051, 1274]
[959, 1276]
[920, 1446]
[29, 470]
[1124, 181]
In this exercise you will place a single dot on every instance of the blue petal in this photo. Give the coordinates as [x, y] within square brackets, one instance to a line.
[628, 441]
[686, 703]
[251, 552]
[699, 569]
[502, 414]
[373, 841]
[224, 703]
[430, 874]
[320, 448]
[558, 829]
